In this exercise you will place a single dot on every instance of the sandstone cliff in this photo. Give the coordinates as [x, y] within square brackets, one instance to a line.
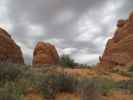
[10, 52]
[119, 49]
[45, 53]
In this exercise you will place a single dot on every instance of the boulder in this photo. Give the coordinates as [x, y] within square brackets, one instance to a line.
[119, 49]
[45, 53]
[10, 52]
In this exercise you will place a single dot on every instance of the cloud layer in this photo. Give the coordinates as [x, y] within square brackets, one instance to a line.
[79, 28]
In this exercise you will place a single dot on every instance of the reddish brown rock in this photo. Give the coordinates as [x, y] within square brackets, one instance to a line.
[121, 23]
[119, 49]
[9, 51]
[45, 53]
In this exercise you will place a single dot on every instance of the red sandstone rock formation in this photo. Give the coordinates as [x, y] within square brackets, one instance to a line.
[45, 53]
[119, 49]
[9, 51]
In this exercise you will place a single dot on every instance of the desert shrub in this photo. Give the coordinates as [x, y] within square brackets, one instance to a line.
[126, 85]
[115, 70]
[53, 84]
[85, 66]
[130, 68]
[10, 92]
[128, 73]
[66, 61]
[68, 83]
[124, 73]
[9, 72]
[31, 79]
[5, 95]
[105, 86]
[91, 89]
[88, 89]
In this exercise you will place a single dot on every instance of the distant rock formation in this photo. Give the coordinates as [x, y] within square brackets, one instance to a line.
[119, 49]
[45, 53]
[10, 52]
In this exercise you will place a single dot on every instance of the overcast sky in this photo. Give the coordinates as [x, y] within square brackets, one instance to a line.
[79, 28]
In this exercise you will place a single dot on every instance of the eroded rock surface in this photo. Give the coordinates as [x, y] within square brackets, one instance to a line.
[45, 53]
[10, 52]
[119, 49]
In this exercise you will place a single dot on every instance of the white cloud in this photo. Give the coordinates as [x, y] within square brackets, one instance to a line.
[68, 51]
[81, 27]
[86, 29]
[4, 20]
[35, 31]
[86, 58]
[63, 16]
[56, 41]
[27, 52]
[84, 37]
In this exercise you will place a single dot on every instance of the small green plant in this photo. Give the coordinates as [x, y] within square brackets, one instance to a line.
[66, 61]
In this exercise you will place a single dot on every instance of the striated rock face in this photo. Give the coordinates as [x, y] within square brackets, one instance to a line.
[119, 49]
[45, 53]
[9, 51]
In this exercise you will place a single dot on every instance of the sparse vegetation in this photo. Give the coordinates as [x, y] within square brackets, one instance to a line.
[128, 72]
[15, 80]
[126, 85]
[91, 88]
[88, 89]
[53, 84]
[130, 68]
[10, 91]
[9, 72]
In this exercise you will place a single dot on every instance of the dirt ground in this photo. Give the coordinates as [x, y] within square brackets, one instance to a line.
[67, 96]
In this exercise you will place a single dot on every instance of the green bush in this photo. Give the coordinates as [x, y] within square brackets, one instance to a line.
[130, 68]
[10, 92]
[106, 86]
[68, 83]
[88, 89]
[9, 72]
[53, 84]
[20, 78]
[5, 95]
[126, 85]
[66, 61]
[128, 72]
[92, 88]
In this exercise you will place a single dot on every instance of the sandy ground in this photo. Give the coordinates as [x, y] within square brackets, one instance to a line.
[33, 96]
[115, 95]
[119, 95]
[67, 96]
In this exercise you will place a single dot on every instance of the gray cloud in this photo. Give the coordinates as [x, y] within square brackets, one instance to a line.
[77, 27]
